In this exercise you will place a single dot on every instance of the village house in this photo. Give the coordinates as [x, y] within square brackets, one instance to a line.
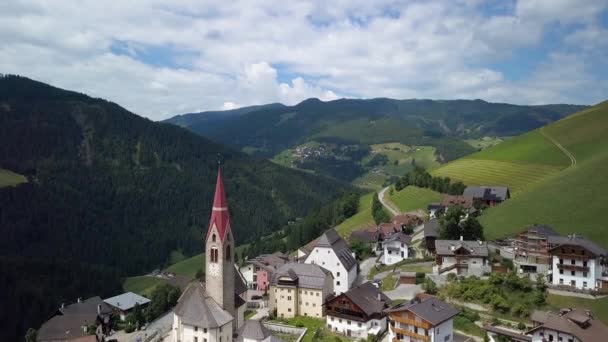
[258, 271]
[568, 325]
[424, 318]
[531, 249]
[358, 312]
[375, 235]
[72, 322]
[370, 237]
[395, 248]
[298, 289]
[431, 233]
[214, 310]
[488, 195]
[464, 258]
[123, 304]
[578, 263]
[332, 253]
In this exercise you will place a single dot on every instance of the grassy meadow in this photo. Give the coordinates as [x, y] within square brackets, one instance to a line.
[9, 178]
[412, 198]
[142, 285]
[189, 266]
[361, 219]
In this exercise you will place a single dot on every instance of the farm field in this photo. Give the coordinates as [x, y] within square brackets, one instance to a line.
[361, 219]
[413, 198]
[142, 285]
[9, 178]
[517, 176]
[188, 267]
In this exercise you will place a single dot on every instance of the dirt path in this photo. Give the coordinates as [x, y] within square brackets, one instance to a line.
[387, 205]
[562, 148]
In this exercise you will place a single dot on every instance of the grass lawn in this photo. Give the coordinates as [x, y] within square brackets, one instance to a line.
[361, 219]
[142, 285]
[416, 268]
[463, 324]
[9, 178]
[389, 282]
[188, 267]
[413, 198]
[317, 330]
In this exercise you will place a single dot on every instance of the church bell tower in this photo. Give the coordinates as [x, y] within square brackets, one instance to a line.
[219, 251]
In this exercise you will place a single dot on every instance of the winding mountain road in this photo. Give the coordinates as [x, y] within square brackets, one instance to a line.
[387, 205]
[560, 146]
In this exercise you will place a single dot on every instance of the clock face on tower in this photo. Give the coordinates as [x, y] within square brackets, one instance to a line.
[214, 270]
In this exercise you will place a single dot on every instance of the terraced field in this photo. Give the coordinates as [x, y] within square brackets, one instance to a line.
[413, 198]
[517, 176]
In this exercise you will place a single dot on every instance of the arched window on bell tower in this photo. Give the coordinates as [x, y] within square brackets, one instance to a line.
[213, 237]
[228, 252]
[214, 255]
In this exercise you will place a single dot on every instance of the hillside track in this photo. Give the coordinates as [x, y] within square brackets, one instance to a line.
[560, 146]
[387, 205]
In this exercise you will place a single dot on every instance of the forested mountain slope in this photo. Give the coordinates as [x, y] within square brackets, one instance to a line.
[111, 194]
[268, 130]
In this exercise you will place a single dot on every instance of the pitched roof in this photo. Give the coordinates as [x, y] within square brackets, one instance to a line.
[307, 275]
[219, 212]
[365, 296]
[240, 286]
[126, 301]
[576, 240]
[431, 228]
[255, 330]
[541, 230]
[87, 307]
[331, 239]
[576, 322]
[487, 193]
[463, 201]
[365, 235]
[269, 262]
[431, 309]
[197, 309]
[399, 236]
[62, 327]
[448, 247]
[406, 219]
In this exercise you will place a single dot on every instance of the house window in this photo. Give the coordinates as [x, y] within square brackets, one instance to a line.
[572, 282]
[205, 330]
[573, 262]
[213, 237]
[585, 274]
[561, 271]
[195, 339]
[359, 325]
[331, 318]
[572, 273]
[195, 328]
[584, 284]
[288, 309]
[561, 281]
[337, 274]
[585, 263]
[338, 283]
[288, 297]
[317, 294]
[561, 261]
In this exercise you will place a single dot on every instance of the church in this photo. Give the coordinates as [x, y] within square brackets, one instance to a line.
[212, 311]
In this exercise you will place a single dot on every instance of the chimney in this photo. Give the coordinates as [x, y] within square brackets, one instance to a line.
[99, 309]
[461, 238]
[63, 305]
[79, 300]
[379, 296]
[480, 242]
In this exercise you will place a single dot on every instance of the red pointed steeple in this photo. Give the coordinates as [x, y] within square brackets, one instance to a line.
[219, 213]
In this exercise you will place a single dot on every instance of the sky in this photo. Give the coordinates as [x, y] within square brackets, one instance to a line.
[160, 58]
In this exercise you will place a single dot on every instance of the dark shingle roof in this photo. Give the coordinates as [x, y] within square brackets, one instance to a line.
[61, 327]
[195, 308]
[487, 193]
[240, 286]
[431, 228]
[430, 309]
[399, 236]
[448, 247]
[576, 240]
[88, 307]
[331, 239]
[365, 296]
[575, 322]
[308, 275]
[542, 230]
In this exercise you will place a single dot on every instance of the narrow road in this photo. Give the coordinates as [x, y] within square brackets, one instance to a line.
[386, 204]
[562, 148]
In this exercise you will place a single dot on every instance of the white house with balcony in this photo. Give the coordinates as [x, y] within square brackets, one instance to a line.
[578, 263]
[395, 248]
[461, 257]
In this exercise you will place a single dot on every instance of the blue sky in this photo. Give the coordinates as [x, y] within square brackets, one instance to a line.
[160, 58]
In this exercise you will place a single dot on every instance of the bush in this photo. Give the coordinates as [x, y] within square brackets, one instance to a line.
[129, 328]
[521, 326]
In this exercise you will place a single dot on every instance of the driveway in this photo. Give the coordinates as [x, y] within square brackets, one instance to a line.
[364, 268]
[403, 291]
[261, 313]
[388, 207]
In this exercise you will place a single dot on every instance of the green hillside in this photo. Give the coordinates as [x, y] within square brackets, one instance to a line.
[9, 178]
[361, 219]
[413, 198]
[572, 196]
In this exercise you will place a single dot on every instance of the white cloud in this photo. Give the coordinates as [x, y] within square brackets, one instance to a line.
[184, 55]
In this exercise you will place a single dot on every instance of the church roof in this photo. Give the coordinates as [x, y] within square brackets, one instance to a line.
[197, 309]
[219, 213]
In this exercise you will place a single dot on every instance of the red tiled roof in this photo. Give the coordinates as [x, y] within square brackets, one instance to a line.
[219, 213]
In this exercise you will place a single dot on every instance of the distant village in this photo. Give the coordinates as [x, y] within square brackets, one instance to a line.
[402, 282]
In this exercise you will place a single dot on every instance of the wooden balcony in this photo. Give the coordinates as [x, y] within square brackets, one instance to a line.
[419, 324]
[570, 267]
[410, 334]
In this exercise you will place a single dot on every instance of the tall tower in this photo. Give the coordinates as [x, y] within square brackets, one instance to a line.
[219, 251]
